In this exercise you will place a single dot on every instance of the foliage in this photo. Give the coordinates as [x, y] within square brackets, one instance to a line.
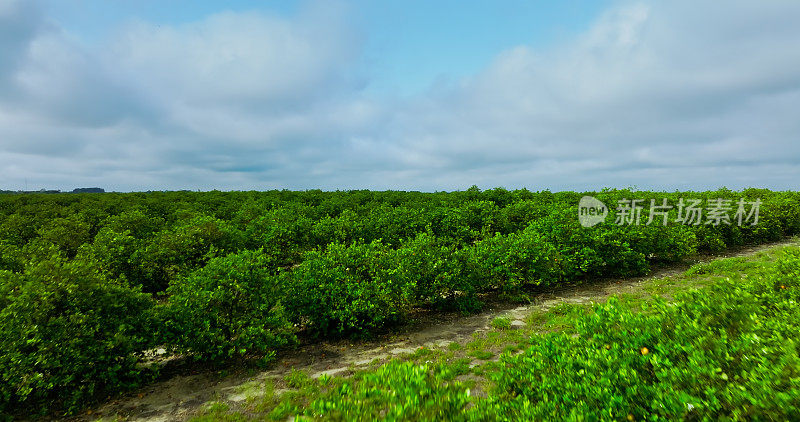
[501, 323]
[68, 333]
[396, 391]
[176, 252]
[509, 262]
[347, 289]
[438, 273]
[726, 353]
[66, 233]
[230, 307]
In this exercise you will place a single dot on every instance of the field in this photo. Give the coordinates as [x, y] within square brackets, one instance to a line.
[91, 285]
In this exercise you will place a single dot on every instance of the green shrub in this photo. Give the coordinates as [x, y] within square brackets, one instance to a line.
[603, 250]
[657, 242]
[136, 222]
[787, 272]
[187, 247]
[518, 215]
[67, 334]
[114, 251]
[465, 223]
[12, 257]
[347, 289]
[66, 233]
[510, 262]
[346, 227]
[281, 233]
[437, 273]
[231, 307]
[709, 239]
[18, 229]
[393, 224]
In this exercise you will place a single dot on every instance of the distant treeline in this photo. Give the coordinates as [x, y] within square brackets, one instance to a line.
[76, 190]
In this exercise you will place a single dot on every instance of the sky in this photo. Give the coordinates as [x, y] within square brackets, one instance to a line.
[405, 95]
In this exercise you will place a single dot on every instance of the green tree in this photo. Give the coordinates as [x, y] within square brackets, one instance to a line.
[67, 333]
[230, 307]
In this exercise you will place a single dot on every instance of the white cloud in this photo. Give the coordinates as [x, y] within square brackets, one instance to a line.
[242, 59]
[654, 94]
[700, 91]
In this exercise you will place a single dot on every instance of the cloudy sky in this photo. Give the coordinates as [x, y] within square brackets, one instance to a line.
[136, 95]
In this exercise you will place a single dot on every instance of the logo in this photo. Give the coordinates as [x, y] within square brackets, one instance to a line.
[633, 212]
[591, 211]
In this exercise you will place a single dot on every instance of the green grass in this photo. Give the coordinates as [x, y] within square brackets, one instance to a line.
[501, 323]
[481, 354]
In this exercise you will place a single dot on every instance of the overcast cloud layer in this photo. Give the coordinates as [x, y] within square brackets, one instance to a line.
[664, 95]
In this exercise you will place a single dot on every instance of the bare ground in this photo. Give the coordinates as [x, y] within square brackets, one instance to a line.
[184, 390]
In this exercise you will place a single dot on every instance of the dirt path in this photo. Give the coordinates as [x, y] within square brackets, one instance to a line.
[178, 397]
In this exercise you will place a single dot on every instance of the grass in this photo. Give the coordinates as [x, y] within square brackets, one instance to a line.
[472, 364]
[501, 323]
